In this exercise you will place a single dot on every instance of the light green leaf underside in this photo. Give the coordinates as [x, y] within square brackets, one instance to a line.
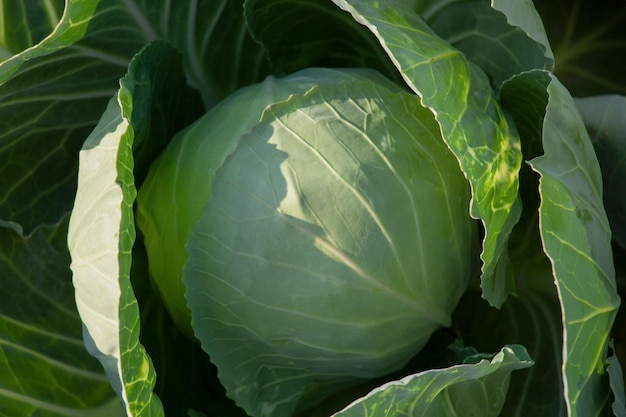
[470, 389]
[470, 119]
[102, 233]
[605, 119]
[44, 367]
[313, 187]
[577, 239]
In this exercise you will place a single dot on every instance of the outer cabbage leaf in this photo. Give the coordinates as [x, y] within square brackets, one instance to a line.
[314, 265]
[53, 93]
[532, 318]
[605, 117]
[491, 39]
[44, 367]
[616, 378]
[471, 122]
[575, 234]
[102, 232]
[291, 33]
[24, 24]
[471, 389]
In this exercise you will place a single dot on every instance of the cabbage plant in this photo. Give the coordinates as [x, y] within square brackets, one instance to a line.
[312, 208]
[325, 236]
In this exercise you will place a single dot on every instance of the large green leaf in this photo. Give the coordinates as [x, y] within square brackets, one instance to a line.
[52, 95]
[24, 24]
[489, 38]
[575, 233]
[102, 232]
[576, 236]
[291, 33]
[533, 319]
[605, 119]
[313, 265]
[471, 121]
[475, 388]
[44, 367]
[616, 379]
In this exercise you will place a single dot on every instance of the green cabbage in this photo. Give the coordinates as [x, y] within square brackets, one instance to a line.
[316, 227]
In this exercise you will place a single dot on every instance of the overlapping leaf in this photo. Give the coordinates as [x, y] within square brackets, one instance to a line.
[102, 231]
[52, 95]
[25, 24]
[588, 43]
[291, 33]
[577, 238]
[604, 118]
[491, 38]
[575, 234]
[471, 122]
[44, 367]
[470, 389]
[326, 290]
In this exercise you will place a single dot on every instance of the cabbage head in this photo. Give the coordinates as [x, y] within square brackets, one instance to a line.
[311, 232]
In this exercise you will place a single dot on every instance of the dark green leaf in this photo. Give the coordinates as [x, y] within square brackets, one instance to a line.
[574, 231]
[52, 95]
[616, 379]
[310, 33]
[532, 318]
[605, 119]
[44, 367]
[23, 24]
[589, 44]
[489, 38]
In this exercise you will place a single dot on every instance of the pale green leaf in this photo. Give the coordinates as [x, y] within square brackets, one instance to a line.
[102, 231]
[470, 389]
[471, 122]
[605, 119]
